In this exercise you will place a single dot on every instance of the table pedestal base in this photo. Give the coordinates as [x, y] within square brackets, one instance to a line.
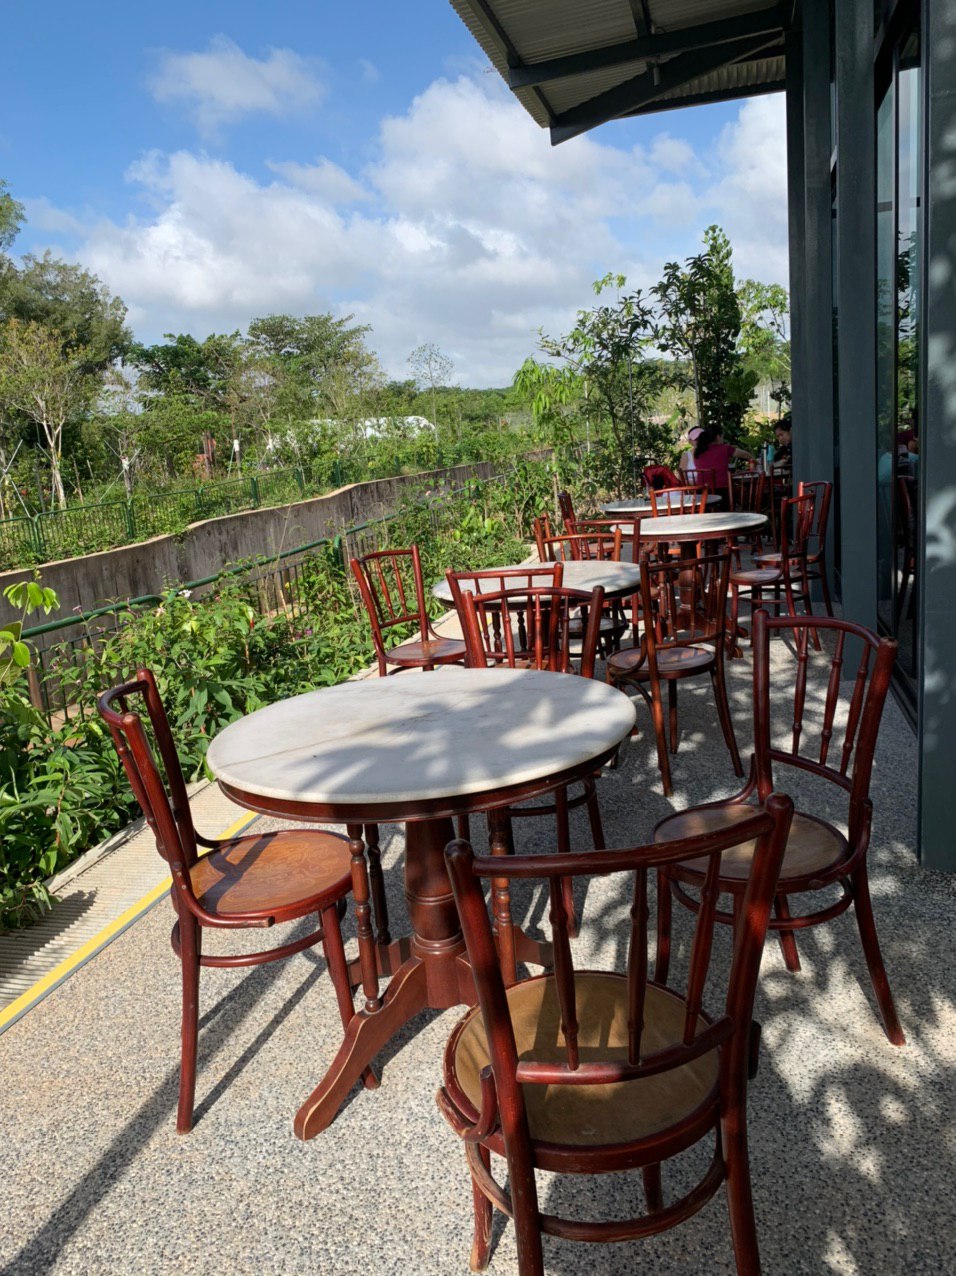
[428, 970]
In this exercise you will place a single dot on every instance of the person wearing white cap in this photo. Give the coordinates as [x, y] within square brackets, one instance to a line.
[687, 456]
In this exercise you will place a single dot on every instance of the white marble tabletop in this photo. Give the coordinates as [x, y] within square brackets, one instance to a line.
[417, 737]
[616, 578]
[696, 527]
[642, 504]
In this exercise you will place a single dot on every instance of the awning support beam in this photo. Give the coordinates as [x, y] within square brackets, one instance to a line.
[651, 84]
[662, 44]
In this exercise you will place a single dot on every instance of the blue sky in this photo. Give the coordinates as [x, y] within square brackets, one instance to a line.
[216, 162]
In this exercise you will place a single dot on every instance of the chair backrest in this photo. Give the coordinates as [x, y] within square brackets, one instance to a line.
[843, 750]
[604, 544]
[796, 523]
[658, 476]
[684, 602]
[566, 506]
[691, 499]
[161, 794]
[531, 627]
[574, 1061]
[708, 478]
[392, 589]
[749, 491]
[822, 493]
[496, 579]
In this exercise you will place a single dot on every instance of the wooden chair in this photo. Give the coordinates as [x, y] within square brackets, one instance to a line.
[257, 880]
[603, 545]
[691, 499]
[788, 572]
[392, 589]
[684, 635]
[818, 855]
[595, 1071]
[707, 477]
[566, 506]
[816, 560]
[535, 629]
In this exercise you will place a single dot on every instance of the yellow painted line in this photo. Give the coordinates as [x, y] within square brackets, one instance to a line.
[52, 980]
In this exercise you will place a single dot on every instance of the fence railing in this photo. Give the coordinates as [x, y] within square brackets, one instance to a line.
[99, 525]
[274, 583]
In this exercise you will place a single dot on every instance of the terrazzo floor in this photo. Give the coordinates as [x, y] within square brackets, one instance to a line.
[853, 1145]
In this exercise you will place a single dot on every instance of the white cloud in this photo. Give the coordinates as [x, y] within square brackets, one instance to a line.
[674, 154]
[467, 229]
[224, 83]
[369, 71]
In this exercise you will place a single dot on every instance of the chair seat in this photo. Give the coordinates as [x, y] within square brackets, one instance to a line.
[813, 846]
[428, 651]
[672, 662]
[591, 1115]
[295, 872]
[756, 576]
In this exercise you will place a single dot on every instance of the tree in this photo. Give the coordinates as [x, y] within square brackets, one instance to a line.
[765, 335]
[605, 362]
[68, 300]
[199, 372]
[432, 369]
[699, 321]
[47, 384]
[11, 216]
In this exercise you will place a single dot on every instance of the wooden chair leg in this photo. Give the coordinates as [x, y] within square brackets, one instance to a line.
[594, 814]
[484, 1217]
[463, 828]
[863, 908]
[788, 940]
[564, 846]
[825, 586]
[672, 712]
[376, 883]
[190, 947]
[657, 714]
[723, 713]
[500, 842]
[653, 1193]
[662, 959]
[743, 1224]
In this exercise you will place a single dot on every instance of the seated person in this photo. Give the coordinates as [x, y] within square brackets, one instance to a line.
[687, 456]
[783, 452]
[712, 458]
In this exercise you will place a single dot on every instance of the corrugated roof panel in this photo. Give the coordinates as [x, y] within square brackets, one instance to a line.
[741, 75]
[673, 15]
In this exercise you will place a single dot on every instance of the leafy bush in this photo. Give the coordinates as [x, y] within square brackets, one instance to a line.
[216, 658]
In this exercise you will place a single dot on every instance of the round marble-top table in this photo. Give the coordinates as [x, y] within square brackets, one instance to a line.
[681, 528]
[642, 504]
[618, 580]
[419, 749]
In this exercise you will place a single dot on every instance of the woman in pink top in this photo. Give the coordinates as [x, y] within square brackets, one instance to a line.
[711, 463]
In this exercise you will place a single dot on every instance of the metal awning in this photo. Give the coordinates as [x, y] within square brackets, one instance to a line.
[574, 65]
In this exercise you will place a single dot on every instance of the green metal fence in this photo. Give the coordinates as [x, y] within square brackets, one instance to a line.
[274, 584]
[88, 528]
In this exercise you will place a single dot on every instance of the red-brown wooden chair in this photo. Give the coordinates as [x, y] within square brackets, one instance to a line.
[595, 1071]
[258, 880]
[390, 583]
[602, 545]
[789, 572]
[566, 506]
[818, 855]
[689, 499]
[684, 635]
[537, 629]
[707, 477]
[816, 559]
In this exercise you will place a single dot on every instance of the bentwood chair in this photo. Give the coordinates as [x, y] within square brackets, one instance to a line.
[566, 506]
[603, 545]
[816, 555]
[819, 857]
[595, 1071]
[536, 629]
[684, 635]
[707, 477]
[789, 572]
[690, 499]
[390, 583]
[255, 881]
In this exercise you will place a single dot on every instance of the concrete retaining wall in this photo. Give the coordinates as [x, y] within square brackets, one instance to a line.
[206, 547]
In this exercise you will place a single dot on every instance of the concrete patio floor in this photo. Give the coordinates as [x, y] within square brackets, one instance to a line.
[853, 1145]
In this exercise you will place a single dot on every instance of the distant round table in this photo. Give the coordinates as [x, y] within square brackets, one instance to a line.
[419, 749]
[641, 505]
[680, 529]
[619, 580]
